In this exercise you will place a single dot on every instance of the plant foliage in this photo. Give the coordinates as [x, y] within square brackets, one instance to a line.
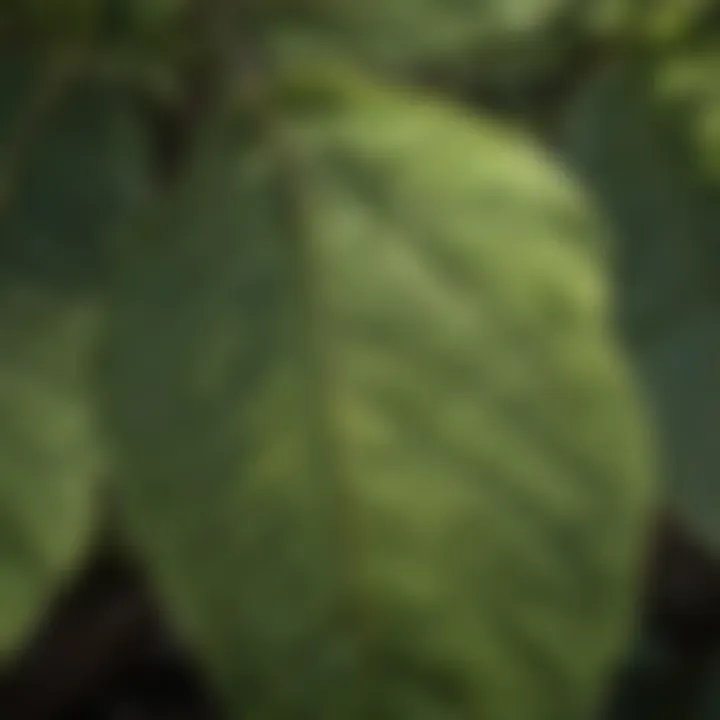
[344, 367]
[373, 377]
[636, 134]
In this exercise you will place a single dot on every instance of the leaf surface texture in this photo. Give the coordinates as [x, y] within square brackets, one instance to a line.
[376, 440]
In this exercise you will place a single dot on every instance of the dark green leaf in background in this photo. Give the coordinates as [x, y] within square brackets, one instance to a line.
[684, 374]
[74, 164]
[665, 221]
[430, 30]
[376, 441]
[657, 20]
[638, 150]
[688, 89]
[493, 42]
[71, 172]
[50, 458]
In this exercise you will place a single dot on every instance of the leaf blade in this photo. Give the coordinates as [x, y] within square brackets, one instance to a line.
[51, 456]
[632, 136]
[334, 386]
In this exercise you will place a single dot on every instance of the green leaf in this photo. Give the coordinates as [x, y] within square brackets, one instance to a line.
[627, 138]
[66, 189]
[377, 443]
[683, 375]
[76, 165]
[663, 21]
[427, 29]
[50, 458]
[664, 216]
[687, 85]
[495, 38]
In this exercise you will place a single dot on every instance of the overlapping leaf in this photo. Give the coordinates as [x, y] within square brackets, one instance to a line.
[428, 30]
[664, 217]
[49, 455]
[687, 85]
[683, 374]
[68, 178]
[629, 141]
[74, 163]
[377, 443]
[663, 20]
[495, 40]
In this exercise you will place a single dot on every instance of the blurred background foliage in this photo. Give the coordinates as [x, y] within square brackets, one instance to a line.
[100, 103]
